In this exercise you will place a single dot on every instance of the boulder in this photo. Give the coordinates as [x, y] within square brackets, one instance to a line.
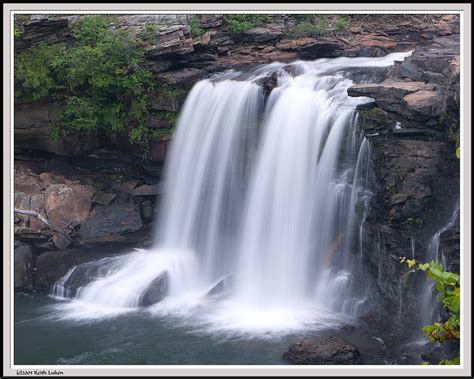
[81, 275]
[260, 35]
[115, 219]
[156, 291]
[53, 265]
[323, 351]
[421, 105]
[208, 21]
[37, 204]
[68, 203]
[148, 190]
[222, 285]
[24, 262]
[103, 198]
[389, 92]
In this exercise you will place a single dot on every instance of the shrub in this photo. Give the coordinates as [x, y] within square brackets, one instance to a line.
[318, 25]
[162, 133]
[33, 78]
[196, 31]
[341, 23]
[98, 81]
[448, 287]
[239, 23]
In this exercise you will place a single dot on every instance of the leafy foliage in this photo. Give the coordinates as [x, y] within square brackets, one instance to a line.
[33, 72]
[318, 26]
[239, 23]
[17, 32]
[98, 81]
[341, 23]
[162, 133]
[171, 92]
[448, 286]
[196, 31]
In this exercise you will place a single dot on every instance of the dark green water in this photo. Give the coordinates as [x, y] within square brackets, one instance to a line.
[139, 339]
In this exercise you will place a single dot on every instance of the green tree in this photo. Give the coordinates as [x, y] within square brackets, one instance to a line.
[98, 81]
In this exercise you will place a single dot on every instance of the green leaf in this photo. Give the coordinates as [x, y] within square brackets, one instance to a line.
[458, 152]
[411, 263]
[423, 266]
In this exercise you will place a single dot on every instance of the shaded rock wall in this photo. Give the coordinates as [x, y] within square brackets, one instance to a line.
[415, 171]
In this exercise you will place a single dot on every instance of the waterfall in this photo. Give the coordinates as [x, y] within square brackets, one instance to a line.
[431, 307]
[264, 204]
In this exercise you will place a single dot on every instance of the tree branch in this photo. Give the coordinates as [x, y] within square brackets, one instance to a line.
[43, 219]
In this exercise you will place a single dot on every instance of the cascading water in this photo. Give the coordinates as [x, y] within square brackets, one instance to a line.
[431, 307]
[262, 191]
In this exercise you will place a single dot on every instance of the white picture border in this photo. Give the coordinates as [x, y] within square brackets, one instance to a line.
[241, 370]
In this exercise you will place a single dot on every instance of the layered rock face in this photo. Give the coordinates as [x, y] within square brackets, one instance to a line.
[100, 206]
[415, 172]
[105, 199]
[178, 59]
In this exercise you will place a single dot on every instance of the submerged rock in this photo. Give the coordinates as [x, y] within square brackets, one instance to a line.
[156, 291]
[323, 351]
[222, 285]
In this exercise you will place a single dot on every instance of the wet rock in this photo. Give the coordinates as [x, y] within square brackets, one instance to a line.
[24, 262]
[115, 219]
[53, 265]
[323, 351]
[66, 203]
[447, 350]
[223, 285]
[156, 291]
[81, 275]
